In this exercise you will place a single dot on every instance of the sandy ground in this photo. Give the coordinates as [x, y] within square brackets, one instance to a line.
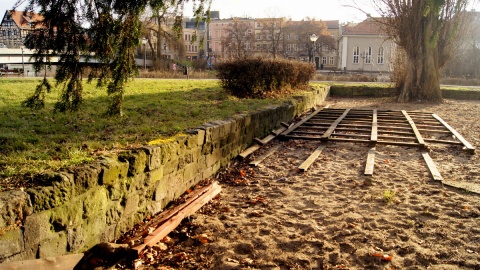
[334, 217]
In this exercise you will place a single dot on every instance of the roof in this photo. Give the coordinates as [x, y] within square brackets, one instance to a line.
[368, 27]
[24, 20]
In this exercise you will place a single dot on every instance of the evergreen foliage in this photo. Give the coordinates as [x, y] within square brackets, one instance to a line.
[99, 34]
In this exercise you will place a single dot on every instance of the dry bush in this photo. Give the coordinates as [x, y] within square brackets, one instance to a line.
[259, 78]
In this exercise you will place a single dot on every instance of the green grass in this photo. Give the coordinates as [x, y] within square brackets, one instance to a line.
[38, 141]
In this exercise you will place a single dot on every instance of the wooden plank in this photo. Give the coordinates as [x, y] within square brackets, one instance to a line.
[469, 186]
[468, 147]
[431, 166]
[334, 125]
[309, 161]
[52, 263]
[259, 143]
[374, 134]
[370, 162]
[264, 156]
[414, 128]
[175, 220]
[249, 150]
[292, 128]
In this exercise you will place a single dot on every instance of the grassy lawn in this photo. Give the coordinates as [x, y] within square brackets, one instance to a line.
[37, 141]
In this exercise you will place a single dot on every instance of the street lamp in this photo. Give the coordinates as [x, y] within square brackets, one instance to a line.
[23, 63]
[144, 42]
[313, 38]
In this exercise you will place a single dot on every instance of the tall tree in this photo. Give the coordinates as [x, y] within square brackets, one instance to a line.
[239, 39]
[425, 30]
[80, 32]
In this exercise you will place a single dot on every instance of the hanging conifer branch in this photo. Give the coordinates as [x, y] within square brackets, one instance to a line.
[100, 34]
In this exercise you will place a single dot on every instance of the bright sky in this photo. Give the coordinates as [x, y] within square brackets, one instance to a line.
[295, 9]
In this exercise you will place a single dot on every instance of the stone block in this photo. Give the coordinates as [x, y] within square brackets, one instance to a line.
[15, 205]
[11, 242]
[37, 228]
[161, 191]
[53, 247]
[137, 161]
[86, 177]
[131, 204]
[68, 215]
[113, 170]
[95, 203]
[75, 239]
[154, 176]
[60, 190]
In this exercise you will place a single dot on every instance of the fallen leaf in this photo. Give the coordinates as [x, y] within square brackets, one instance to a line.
[247, 261]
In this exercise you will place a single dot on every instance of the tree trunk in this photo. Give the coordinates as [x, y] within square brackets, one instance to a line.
[423, 71]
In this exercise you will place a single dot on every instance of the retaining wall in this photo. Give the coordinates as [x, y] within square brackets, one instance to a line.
[72, 210]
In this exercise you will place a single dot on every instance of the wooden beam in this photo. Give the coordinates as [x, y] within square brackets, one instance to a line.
[186, 209]
[431, 166]
[264, 156]
[334, 125]
[414, 128]
[309, 161]
[370, 162]
[259, 142]
[292, 128]
[468, 147]
[374, 134]
[51, 263]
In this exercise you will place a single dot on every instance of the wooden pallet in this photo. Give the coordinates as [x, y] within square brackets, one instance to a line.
[376, 127]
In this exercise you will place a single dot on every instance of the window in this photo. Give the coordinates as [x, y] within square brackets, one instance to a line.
[332, 60]
[15, 32]
[258, 47]
[259, 25]
[289, 47]
[324, 60]
[295, 47]
[356, 54]
[4, 33]
[296, 37]
[288, 36]
[380, 56]
[368, 55]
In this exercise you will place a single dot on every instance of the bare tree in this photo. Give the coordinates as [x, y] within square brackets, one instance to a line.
[158, 30]
[297, 38]
[270, 37]
[425, 30]
[239, 40]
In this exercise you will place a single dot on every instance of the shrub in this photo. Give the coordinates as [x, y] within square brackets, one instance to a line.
[259, 78]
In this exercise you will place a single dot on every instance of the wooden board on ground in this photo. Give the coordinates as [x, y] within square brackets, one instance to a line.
[264, 156]
[468, 147]
[468, 186]
[332, 128]
[309, 161]
[432, 167]
[370, 162]
[259, 144]
[64, 262]
[414, 128]
[204, 196]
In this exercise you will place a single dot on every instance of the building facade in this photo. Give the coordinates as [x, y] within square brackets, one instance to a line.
[365, 47]
[15, 27]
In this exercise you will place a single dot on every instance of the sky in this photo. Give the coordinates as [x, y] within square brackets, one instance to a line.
[295, 9]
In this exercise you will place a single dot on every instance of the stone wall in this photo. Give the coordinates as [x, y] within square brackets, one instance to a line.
[70, 211]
